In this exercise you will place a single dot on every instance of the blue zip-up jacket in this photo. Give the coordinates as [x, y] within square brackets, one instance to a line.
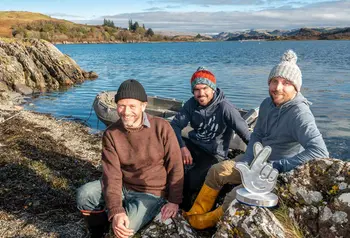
[213, 125]
[290, 130]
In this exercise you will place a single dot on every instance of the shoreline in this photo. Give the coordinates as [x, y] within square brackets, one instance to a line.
[43, 161]
[199, 41]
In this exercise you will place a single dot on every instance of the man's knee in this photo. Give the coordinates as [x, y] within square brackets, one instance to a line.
[88, 196]
[82, 196]
[220, 174]
[142, 210]
[223, 168]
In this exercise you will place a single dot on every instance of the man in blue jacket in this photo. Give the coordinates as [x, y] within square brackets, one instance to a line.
[214, 120]
[285, 123]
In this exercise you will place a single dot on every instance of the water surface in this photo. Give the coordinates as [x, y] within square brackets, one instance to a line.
[241, 70]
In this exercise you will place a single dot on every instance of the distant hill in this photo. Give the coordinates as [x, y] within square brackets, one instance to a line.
[38, 26]
[12, 18]
[296, 34]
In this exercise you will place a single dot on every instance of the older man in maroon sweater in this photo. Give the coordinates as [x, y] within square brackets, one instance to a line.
[142, 169]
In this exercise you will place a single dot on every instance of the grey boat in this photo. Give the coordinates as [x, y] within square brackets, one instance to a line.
[106, 111]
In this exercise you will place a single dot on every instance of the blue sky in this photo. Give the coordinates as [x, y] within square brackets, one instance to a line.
[196, 16]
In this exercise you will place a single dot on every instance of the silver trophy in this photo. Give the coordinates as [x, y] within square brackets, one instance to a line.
[258, 179]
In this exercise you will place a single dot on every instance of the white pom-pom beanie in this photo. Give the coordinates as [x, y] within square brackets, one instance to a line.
[288, 69]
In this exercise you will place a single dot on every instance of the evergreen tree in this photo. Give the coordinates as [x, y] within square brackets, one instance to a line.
[130, 25]
[149, 32]
[135, 26]
[107, 22]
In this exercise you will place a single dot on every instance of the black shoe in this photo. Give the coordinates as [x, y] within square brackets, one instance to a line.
[97, 224]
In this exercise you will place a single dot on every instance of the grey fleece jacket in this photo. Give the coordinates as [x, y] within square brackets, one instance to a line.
[213, 125]
[291, 131]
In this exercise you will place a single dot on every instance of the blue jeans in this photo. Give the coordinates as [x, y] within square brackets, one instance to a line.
[140, 208]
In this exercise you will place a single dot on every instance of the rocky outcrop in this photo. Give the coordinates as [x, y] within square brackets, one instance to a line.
[314, 202]
[33, 65]
[247, 221]
[318, 196]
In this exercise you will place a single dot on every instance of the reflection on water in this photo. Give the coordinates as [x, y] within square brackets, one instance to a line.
[241, 71]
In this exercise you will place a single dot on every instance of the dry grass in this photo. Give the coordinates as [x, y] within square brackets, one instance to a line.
[291, 227]
[23, 15]
[11, 18]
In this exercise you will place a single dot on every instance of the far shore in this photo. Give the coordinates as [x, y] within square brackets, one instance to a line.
[199, 41]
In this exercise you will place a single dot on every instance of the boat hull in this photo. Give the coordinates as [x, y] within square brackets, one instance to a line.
[106, 111]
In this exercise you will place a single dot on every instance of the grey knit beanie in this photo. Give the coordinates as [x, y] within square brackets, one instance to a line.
[288, 69]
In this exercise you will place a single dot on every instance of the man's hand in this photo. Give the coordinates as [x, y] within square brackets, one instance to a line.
[260, 176]
[186, 155]
[120, 226]
[169, 210]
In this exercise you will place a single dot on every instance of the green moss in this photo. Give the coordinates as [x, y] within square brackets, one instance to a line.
[44, 172]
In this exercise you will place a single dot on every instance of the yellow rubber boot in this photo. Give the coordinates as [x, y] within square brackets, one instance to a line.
[204, 201]
[206, 220]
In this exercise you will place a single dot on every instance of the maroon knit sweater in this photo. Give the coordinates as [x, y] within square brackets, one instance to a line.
[148, 160]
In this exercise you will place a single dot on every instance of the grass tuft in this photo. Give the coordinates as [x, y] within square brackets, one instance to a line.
[291, 227]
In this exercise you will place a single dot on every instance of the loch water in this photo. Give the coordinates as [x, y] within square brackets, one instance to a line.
[241, 70]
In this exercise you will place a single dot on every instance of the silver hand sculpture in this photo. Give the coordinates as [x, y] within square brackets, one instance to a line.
[260, 177]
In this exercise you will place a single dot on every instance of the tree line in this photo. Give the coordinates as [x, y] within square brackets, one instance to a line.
[61, 31]
[57, 31]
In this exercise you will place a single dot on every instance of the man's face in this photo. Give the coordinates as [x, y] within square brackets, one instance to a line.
[203, 94]
[130, 111]
[281, 90]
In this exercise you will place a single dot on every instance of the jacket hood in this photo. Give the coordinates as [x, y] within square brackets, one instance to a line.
[298, 99]
[217, 99]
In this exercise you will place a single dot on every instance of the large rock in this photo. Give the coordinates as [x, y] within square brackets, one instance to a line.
[3, 87]
[38, 65]
[318, 195]
[23, 89]
[246, 221]
[315, 197]
[176, 227]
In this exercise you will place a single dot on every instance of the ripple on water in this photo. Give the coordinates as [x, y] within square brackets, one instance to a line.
[241, 70]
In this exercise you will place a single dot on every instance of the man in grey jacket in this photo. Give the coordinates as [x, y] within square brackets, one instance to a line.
[214, 120]
[285, 123]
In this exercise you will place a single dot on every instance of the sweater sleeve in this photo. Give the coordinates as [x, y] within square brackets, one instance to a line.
[235, 121]
[111, 177]
[174, 166]
[180, 121]
[256, 136]
[305, 131]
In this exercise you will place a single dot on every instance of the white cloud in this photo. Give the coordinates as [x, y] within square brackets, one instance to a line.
[324, 14]
[64, 15]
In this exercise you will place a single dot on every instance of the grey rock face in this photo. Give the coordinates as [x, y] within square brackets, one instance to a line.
[23, 89]
[3, 86]
[319, 194]
[247, 221]
[176, 227]
[37, 65]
